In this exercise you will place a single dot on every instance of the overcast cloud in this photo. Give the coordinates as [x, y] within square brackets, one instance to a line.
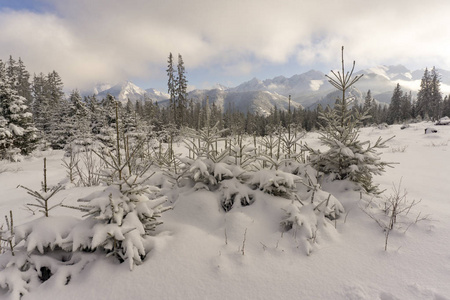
[89, 41]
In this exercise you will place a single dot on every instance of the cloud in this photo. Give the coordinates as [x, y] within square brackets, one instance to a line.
[110, 40]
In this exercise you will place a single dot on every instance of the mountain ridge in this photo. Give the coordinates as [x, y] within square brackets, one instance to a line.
[306, 89]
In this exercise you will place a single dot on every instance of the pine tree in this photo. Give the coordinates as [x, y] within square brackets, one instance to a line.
[78, 123]
[406, 107]
[171, 87]
[41, 107]
[446, 107]
[181, 93]
[19, 79]
[346, 157]
[17, 131]
[23, 83]
[394, 112]
[436, 96]
[12, 73]
[424, 96]
[107, 120]
[49, 107]
[368, 106]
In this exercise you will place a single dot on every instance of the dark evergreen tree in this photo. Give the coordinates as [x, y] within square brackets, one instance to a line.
[446, 107]
[181, 93]
[394, 111]
[171, 88]
[436, 96]
[406, 107]
[369, 103]
[424, 96]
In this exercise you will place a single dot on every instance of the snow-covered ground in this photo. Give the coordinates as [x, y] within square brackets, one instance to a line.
[201, 252]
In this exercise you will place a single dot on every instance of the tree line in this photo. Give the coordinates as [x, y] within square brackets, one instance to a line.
[35, 112]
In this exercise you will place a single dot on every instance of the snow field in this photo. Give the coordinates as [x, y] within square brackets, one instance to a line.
[201, 252]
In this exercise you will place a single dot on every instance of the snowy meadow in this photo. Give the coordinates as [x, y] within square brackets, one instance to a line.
[276, 232]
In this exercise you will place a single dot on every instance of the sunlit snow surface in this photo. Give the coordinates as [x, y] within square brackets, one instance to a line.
[198, 251]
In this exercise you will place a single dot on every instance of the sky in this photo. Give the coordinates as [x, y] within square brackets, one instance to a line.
[226, 42]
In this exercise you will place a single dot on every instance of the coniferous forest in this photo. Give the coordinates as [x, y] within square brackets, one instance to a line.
[35, 111]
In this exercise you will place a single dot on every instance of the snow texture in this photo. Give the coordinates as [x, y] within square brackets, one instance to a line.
[255, 251]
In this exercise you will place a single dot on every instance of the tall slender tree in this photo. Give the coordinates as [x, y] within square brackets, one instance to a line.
[171, 87]
[436, 96]
[181, 92]
[394, 111]
[424, 96]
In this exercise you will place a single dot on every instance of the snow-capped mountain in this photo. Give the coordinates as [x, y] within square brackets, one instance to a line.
[156, 95]
[98, 88]
[124, 91]
[306, 89]
[261, 102]
[127, 90]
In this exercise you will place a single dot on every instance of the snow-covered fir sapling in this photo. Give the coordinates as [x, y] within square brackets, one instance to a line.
[42, 197]
[122, 216]
[119, 219]
[290, 139]
[310, 211]
[214, 169]
[203, 143]
[347, 157]
[164, 154]
[7, 235]
[71, 164]
[242, 150]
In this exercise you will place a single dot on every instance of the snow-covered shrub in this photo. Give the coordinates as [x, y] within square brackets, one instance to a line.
[235, 193]
[21, 273]
[275, 182]
[311, 211]
[304, 222]
[45, 235]
[121, 216]
[118, 221]
[229, 179]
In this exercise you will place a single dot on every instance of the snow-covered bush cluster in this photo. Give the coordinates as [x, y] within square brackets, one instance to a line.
[117, 220]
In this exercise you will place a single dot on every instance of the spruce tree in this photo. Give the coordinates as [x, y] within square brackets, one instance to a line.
[181, 92]
[23, 83]
[171, 87]
[436, 96]
[17, 131]
[446, 107]
[347, 157]
[78, 123]
[406, 107]
[368, 106]
[424, 96]
[395, 114]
